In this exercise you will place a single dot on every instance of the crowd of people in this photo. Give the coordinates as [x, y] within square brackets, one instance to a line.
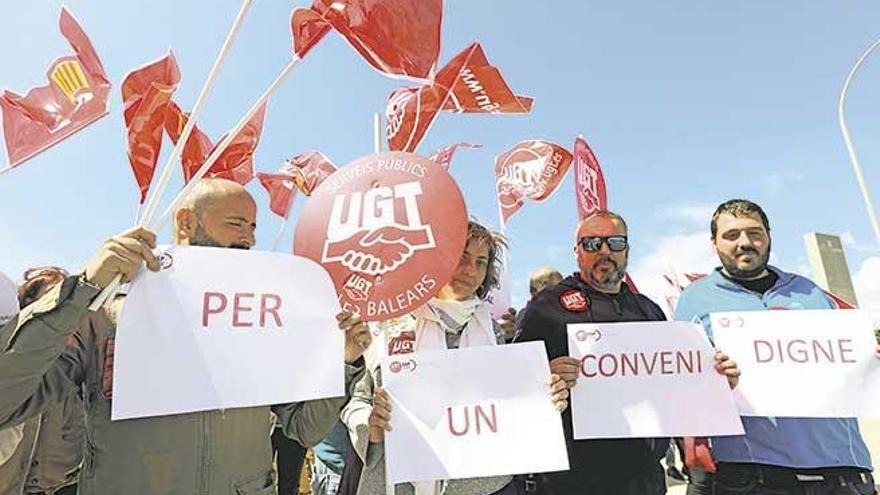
[56, 366]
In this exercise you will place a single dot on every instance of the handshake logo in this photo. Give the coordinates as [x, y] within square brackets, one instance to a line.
[375, 232]
[522, 174]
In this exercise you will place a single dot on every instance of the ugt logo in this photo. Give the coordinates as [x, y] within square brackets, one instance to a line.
[525, 173]
[367, 235]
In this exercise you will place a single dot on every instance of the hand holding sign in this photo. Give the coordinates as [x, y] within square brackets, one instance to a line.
[567, 368]
[380, 416]
[357, 335]
[727, 367]
[122, 255]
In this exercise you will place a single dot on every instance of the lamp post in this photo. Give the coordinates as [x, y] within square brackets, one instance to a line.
[860, 178]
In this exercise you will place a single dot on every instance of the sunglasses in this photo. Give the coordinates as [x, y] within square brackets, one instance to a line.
[616, 243]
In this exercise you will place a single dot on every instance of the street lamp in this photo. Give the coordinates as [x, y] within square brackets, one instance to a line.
[860, 178]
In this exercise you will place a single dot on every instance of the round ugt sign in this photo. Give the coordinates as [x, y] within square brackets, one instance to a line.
[390, 229]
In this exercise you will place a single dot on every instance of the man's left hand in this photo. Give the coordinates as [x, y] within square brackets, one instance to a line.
[558, 392]
[727, 367]
[357, 335]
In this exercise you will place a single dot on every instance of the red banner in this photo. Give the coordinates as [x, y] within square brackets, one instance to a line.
[75, 97]
[443, 156]
[589, 182]
[411, 111]
[236, 161]
[146, 92]
[307, 28]
[530, 170]
[309, 170]
[281, 189]
[399, 38]
[466, 84]
[482, 89]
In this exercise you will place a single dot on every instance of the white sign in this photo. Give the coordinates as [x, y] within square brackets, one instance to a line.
[813, 363]
[223, 328]
[8, 299]
[472, 412]
[648, 379]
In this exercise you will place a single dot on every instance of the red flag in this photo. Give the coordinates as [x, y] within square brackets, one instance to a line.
[693, 277]
[146, 92]
[235, 163]
[531, 169]
[443, 156]
[308, 28]
[411, 111]
[309, 170]
[281, 189]
[75, 97]
[630, 284]
[481, 89]
[589, 182]
[397, 37]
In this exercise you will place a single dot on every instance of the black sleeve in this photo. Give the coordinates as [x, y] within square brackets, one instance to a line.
[651, 308]
[538, 325]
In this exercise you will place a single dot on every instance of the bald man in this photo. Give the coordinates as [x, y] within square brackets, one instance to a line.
[543, 277]
[56, 345]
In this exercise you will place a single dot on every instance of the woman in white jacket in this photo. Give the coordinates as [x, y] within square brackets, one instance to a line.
[458, 316]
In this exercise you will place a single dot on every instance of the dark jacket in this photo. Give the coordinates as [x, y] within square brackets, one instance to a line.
[546, 319]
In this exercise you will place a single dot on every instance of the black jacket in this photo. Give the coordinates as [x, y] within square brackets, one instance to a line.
[546, 319]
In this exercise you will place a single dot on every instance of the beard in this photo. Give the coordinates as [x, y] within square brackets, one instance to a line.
[610, 278]
[203, 239]
[758, 267]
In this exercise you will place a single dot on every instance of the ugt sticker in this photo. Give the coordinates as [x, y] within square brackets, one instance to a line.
[389, 229]
[573, 300]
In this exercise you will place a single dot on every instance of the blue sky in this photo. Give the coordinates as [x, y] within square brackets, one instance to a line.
[686, 104]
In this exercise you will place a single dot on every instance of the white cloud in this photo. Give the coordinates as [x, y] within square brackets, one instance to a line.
[692, 215]
[776, 182]
[849, 241]
[680, 254]
[866, 281]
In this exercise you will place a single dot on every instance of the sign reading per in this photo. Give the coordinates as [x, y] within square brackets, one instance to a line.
[389, 228]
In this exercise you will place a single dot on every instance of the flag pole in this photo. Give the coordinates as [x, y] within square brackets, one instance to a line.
[158, 224]
[377, 137]
[853, 158]
[155, 195]
[6, 169]
[279, 234]
[153, 199]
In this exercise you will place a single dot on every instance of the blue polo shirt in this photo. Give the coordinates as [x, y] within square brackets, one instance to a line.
[788, 442]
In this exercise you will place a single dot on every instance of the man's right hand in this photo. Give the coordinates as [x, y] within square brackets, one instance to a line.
[380, 417]
[567, 368]
[122, 255]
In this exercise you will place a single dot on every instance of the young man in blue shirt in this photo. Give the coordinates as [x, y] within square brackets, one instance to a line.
[778, 456]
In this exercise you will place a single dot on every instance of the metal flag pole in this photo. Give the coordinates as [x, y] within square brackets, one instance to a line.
[853, 158]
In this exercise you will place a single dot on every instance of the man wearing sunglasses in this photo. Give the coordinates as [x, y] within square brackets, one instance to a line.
[597, 293]
[817, 456]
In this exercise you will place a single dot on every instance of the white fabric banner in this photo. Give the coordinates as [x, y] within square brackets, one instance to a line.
[224, 328]
[472, 412]
[804, 363]
[8, 299]
[648, 379]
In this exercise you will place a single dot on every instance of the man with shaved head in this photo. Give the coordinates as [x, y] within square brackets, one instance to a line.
[56, 345]
[598, 294]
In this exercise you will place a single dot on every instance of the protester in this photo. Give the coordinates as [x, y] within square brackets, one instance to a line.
[542, 278]
[819, 456]
[329, 463]
[59, 346]
[458, 316]
[288, 455]
[47, 452]
[597, 293]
